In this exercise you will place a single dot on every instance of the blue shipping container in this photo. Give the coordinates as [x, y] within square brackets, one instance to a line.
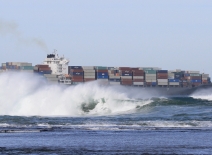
[45, 72]
[196, 81]
[102, 77]
[174, 80]
[102, 73]
[126, 74]
[154, 83]
[178, 75]
[76, 67]
[186, 75]
[162, 71]
[77, 73]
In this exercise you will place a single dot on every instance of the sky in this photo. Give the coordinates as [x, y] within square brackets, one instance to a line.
[136, 33]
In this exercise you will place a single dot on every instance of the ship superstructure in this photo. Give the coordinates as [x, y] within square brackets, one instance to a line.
[58, 65]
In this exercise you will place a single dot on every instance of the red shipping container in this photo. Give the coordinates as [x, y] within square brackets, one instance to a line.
[162, 77]
[138, 74]
[135, 69]
[44, 69]
[138, 71]
[195, 77]
[124, 68]
[126, 79]
[89, 79]
[102, 71]
[138, 80]
[162, 74]
[42, 66]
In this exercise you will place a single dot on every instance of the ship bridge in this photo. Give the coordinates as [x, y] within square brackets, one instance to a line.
[58, 65]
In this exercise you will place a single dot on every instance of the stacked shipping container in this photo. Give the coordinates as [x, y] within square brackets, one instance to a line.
[114, 76]
[162, 77]
[18, 66]
[138, 77]
[102, 74]
[126, 76]
[76, 73]
[42, 69]
[150, 76]
[205, 78]
[174, 78]
[89, 73]
[195, 78]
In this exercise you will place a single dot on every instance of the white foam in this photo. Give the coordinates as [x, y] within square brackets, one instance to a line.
[28, 95]
[203, 94]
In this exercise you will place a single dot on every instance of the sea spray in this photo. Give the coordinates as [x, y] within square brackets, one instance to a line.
[29, 95]
[205, 94]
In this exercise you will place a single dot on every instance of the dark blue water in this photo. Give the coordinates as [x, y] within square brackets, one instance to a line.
[181, 125]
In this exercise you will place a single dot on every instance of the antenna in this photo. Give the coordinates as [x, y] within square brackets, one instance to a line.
[55, 51]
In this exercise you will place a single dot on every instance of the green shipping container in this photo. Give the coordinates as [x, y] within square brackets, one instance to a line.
[101, 67]
[150, 71]
[26, 67]
[195, 74]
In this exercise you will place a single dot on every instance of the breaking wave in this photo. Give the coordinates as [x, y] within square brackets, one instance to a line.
[25, 94]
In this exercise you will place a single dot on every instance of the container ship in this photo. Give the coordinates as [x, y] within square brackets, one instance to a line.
[154, 80]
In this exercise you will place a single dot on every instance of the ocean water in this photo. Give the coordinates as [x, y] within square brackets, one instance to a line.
[37, 118]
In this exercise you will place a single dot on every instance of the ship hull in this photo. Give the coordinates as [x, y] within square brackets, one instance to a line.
[165, 91]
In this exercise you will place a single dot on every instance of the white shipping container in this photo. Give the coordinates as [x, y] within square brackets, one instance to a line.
[205, 75]
[138, 83]
[114, 77]
[89, 71]
[151, 78]
[170, 74]
[147, 80]
[170, 77]
[194, 72]
[178, 70]
[162, 83]
[204, 78]
[89, 76]
[150, 75]
[88, 67]
[21, 63]
[138, 77]
[171, 71]
[126, 77]
[162, 80]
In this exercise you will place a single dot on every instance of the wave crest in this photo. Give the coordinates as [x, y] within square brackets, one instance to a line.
[29, 95]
